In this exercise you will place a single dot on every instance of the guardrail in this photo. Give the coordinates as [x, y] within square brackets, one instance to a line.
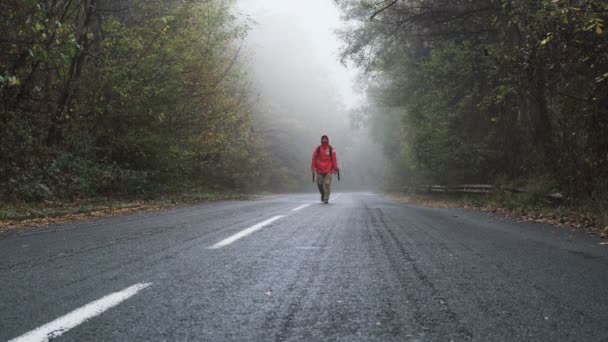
[474, 189]
[464, 188]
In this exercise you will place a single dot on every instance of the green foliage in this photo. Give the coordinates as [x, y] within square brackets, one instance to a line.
[96, 100]
[488, 90]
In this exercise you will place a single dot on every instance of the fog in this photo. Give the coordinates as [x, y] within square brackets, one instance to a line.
[302, 92]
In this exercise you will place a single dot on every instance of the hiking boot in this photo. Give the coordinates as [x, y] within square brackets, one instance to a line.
[326, 201]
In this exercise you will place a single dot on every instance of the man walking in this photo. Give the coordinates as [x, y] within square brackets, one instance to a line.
[324, 163]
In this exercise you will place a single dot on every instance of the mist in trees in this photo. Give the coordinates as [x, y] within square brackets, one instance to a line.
[108, 97]
[303, 93]
[486, 91]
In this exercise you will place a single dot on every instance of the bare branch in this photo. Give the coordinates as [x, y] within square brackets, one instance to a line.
[227, 70]
[383, 9]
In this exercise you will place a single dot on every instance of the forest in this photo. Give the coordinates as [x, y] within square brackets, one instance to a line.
[122, 97]
[511, 92]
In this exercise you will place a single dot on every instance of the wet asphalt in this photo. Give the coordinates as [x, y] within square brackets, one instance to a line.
[361, 268]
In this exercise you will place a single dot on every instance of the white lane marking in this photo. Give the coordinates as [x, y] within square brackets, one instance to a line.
[245, 232]
[78, 316]
[300, 207]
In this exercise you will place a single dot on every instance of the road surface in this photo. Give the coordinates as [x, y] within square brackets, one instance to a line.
[288, 268]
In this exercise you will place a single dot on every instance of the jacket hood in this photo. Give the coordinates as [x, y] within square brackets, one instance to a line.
[324, 136]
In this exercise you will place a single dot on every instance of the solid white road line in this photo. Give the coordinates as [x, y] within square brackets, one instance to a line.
[300, 207]
[245, 232]
[78, 316]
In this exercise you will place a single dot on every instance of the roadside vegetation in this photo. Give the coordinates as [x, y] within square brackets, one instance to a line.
[506, 92]
[104, 97]
[106, 103]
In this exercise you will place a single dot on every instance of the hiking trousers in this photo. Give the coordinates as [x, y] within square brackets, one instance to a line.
[324, 185]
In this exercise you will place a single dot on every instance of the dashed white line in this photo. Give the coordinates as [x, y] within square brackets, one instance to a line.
[245, 232]
[300, 207]
[78, 316]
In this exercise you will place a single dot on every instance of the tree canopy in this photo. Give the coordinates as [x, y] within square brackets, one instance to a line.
[107, 96]
[487, 91]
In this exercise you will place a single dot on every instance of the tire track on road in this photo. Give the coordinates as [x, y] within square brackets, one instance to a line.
[426, 320]
[283, 315]
[507, 276]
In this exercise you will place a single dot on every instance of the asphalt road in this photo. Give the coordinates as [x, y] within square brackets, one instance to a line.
[359, 269]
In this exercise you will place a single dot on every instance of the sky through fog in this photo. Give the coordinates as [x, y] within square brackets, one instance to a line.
[313, 22]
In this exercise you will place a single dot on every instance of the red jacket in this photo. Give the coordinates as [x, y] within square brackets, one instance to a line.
[321, 160]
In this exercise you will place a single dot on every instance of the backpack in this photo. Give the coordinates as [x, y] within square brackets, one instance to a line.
[319, 152]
